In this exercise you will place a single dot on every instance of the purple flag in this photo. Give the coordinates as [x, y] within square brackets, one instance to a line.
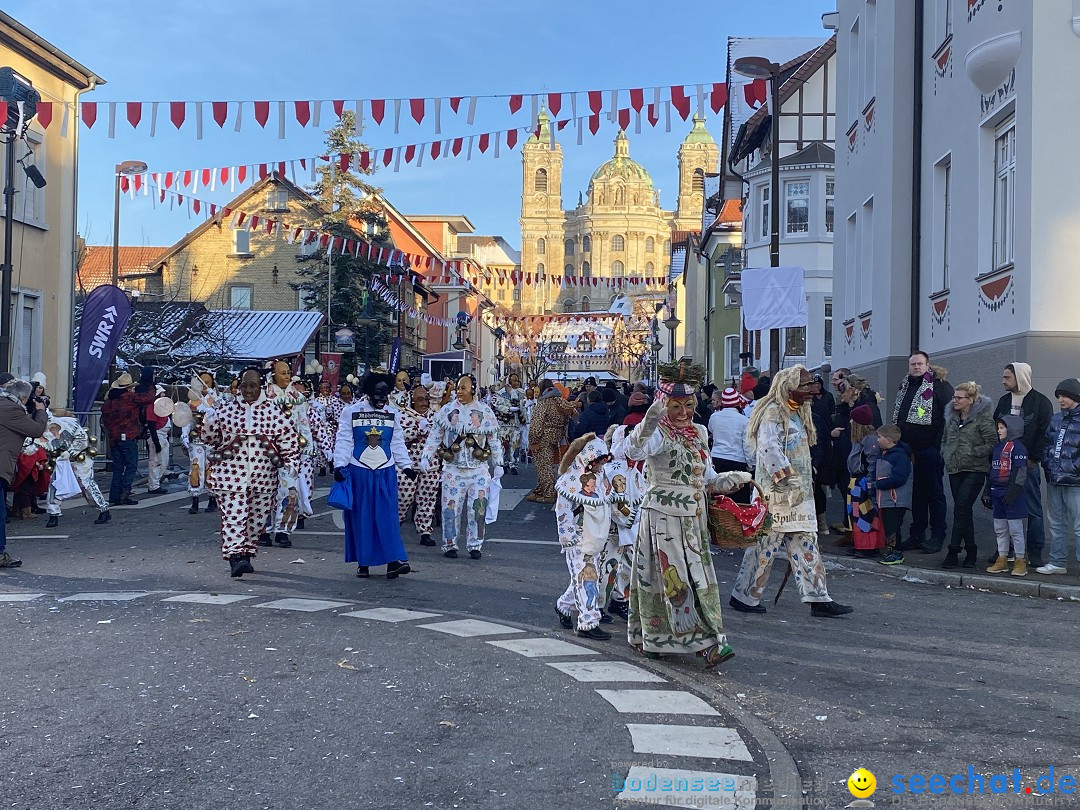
[105, 314]
[395, 355]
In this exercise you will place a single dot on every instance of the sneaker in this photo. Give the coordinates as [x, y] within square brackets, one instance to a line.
[450, 553]
[103, 517]
[240, 565]
[895, 558]
[7, 561]
[1050, 568]
[596, 634]
[396, 568]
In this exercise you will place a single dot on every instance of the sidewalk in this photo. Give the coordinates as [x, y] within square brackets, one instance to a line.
[919, 567]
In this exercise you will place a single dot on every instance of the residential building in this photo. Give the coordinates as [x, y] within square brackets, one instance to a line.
[957, 218]
[719, 257]
[134, 265]
[44, 219]
[504, 263]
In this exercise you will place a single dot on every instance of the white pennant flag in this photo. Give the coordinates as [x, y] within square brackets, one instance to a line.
[468, 157]
[472, 110]
[153, 118]
[700, 100]
[239, 115]
[667, 116]
[358, 109]
[397, 158]
[397, 116]
[198, 120]
[112, 119]
[573, 105]
[613, 106]
[316, 113]
[420, 155]
[437, 110]
[64, 121]
[579, 132]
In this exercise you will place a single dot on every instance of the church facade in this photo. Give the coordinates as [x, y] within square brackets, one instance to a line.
[618, 229]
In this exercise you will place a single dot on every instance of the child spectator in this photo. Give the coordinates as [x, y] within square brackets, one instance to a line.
[867, 532]
[892, 482]
[1061, 462]
[1005, 493]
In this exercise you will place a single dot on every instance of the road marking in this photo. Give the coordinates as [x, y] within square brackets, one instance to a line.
[115, 596]
[322, 514]
[468, 628]
[510, 498]
[331, 534]
[19, 597]
[688, 741]
[591, 671]
[303, 605]
[656, 701]
[38, 536]
[522, 542]
[208, 598]
[156, 500]
[672, 787]
[390, 614]
[540, 647]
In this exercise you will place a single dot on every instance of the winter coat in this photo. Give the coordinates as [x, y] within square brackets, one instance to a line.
[922, 422]
[120, 414]
[594, 419]
[1035, 409]
[15, 426]
[841, 418]
[893, 478]
[727, 427]
[1062, 458]
[863, 458]
[967, 444]
[821, 453]
[1009, 472]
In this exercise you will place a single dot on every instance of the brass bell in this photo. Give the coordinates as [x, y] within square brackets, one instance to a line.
[303, 441]
[470, 442]
[90, 451]
[80, 457]
[228, 455]
[93, 439]
[478, 453]
[51, 465]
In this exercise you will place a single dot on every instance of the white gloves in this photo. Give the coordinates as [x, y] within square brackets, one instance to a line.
[425, 465]
[728, 482]
[498, 473]
[652, 417]
[424, 423]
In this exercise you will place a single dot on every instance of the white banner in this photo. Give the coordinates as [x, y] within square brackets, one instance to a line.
[773, 297]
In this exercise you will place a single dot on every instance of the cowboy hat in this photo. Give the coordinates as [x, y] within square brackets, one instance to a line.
[123, 381]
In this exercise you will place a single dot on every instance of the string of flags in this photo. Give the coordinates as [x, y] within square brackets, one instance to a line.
[310, 112]
[391, 299]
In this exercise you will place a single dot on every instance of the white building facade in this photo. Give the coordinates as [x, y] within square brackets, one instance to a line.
[951, 236]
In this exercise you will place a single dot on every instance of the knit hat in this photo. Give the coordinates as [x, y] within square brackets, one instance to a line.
[1069, 388]
[862, 415]
[637, 399]
[730, 398]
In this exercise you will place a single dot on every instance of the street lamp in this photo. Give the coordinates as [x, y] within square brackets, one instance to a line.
[672, 323]
[128, 167]
[757, 67]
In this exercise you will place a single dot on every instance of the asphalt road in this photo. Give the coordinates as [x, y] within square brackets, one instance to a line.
[152, 709]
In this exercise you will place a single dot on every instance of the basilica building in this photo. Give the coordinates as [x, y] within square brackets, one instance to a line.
[618, 229]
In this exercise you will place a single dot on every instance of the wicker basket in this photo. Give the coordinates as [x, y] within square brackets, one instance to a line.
[725, 529]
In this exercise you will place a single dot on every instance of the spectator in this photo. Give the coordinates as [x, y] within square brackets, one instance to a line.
[615, 408]
[16, 425]
[1061, 462]
[919, 411]
[704, 410]
[852, 392]
[120, 416]
[821, 453]
[594, 419]
[635, 411]
[1005, 494]
[969, 440]
[760, 390]
[731, 451]
[1020, 399]
[892, 486]
[867, 532]
[582, 397]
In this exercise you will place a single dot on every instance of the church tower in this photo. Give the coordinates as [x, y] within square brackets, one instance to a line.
[698, 156]
[542, 216]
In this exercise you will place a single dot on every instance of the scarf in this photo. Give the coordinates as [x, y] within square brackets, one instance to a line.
[921, 411]
[687, 436]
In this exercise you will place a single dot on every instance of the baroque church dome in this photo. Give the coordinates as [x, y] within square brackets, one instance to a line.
[621, 166]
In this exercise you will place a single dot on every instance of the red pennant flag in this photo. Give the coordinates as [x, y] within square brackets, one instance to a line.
[206, 177]
[624, 118]
[303, 163]
[241, 174]
[213, 210]
[456, 146]
[554, 103]
[378, 109]
[224, 175]
[226, 212]
[303, 112]
[44, 113]
[187, 179]
[562, 124]
[262, 112]
[270, 225]
[263, 171]
[89, 113]
[240, 217]
[416, 105]
[179, 199]
[388, 155]
[344, 160]
[254, 223]
[511, 138]
[754, 92]
[455, 102]
[515, 104]
[124, 185]
[196, 205]
[596, 101]
[637, 99]
[653, 115]
[177, 113]
[436, 148]
[594, 123]
[718, 97]
[410, 152]
[220, 111]
[169, 177]
[365, 160]
[134, 113]
[339, 107]
[483, 145]
[680, 101]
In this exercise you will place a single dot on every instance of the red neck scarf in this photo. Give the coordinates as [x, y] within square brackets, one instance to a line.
[686, 435]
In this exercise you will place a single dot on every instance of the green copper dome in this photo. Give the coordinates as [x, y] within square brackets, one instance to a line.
[621, 165]
[699, 134]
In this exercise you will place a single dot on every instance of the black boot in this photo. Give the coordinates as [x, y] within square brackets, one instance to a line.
[299, 524]
[451, 553]
[322, 472]
[54, 521]
[425, 540]
[952, 559]
[742, 607]
[240, 564]
[565, 620]
[264, 540]
[103, 517]
[194, 510]
[211, 504]
[475, 554]
[362, 572]
[596, 634]
[1035, 558]
[283, 540]
[829, 610]
[971, 552]
[620, 609]
[396, 568]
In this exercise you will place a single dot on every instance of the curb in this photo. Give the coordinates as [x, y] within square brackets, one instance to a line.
[1005, 584]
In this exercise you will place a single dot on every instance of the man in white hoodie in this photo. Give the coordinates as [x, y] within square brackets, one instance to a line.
[1020, 399]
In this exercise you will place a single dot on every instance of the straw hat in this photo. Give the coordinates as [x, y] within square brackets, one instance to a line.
[123, 381]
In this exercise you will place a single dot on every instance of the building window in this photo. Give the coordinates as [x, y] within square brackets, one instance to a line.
[795, 341]
[502, 294]
[866, 257]
[517, 294]
[1004, 193]
[540, 269]
[830, 203]
[797, 212]
[277, 199]
[568, 305]
[828, 327]
[568, 247]
[667, 247]
[697, 182]
[650, 245]
[568, 270]
[27, 334]
[942, 236]
[649, 267]
[540, 180]
[854, 72]
[586, 244]
[869, 34]
[586, 270]
[618, 244]
[731, 356]
[765, 212]
[585, 304]
[945, 17]
[240, 296]
[616, 268]
[241, 241]
[851, 259]
[541, 247]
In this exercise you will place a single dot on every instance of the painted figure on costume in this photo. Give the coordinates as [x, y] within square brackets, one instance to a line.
[627, 492]
[508, 405]
[69, 443]
[203, 399]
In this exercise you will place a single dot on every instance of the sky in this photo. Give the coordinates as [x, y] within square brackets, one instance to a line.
[273, 50]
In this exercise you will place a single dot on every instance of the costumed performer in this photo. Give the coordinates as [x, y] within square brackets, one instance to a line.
[203, 398]
[627, 492]
[294, 493]
[415, 414]
[70, 443]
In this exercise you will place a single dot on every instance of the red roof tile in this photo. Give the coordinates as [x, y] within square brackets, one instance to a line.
[95, 268]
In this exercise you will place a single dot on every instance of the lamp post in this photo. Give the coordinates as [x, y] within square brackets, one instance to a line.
[128, 167]
[656, 346]
[757, 67]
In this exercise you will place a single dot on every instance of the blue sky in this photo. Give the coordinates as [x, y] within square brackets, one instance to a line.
[273, 50]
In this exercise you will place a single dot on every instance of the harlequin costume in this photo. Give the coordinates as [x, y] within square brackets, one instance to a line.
[781, 430]
[583, 514]
[422, 491]
[252, 446]
[69, 443]
[369, 451]
[293, 502]
[465, 436]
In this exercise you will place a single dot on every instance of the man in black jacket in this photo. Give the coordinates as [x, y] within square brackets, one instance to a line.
[1020, 399]
[594, 419]
[919, 411]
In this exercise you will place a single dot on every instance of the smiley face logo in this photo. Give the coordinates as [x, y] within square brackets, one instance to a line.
[862, 783]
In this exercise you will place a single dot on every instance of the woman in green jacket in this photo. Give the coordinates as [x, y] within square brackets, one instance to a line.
[969, 440]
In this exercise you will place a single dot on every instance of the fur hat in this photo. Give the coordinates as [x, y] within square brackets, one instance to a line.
[39, 379]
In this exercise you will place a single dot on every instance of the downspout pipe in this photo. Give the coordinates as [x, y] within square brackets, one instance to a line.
[91, 86]
[916, 175]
